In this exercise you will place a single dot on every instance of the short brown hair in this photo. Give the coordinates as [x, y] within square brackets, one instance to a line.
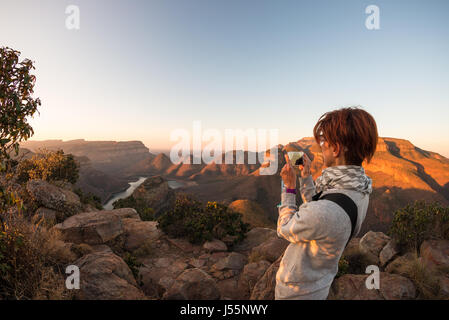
[353, 128]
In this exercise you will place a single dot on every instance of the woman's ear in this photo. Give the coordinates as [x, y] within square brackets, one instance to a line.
[336, 150]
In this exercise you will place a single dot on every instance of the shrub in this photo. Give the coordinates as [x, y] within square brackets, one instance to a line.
[343, 267]
[145, 213]
[89, 198]
[133, 264]
[49, 166]
[16, 101]
[200, 222]
[418, 222]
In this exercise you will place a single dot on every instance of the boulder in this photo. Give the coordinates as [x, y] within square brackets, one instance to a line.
[372, 244]
[396, 287]
[251, 273]
[53, 197]
[215, 246]
[265, 286]
[234, 261]
[158, 274]
[352, 248]
[96, 227]
[401, 264]
[193, 284]
[155, 193]
[388, 252]
[435, 253]
[182, 244]
[105, 276]
[123, 213]
[353, 287]
[139, 232]
[229, 289]
[271, 249]
[255, 237]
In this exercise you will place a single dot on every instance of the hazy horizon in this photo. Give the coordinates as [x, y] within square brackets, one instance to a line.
[139, 70]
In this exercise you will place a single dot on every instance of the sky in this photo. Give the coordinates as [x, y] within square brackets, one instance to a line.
[139, 69]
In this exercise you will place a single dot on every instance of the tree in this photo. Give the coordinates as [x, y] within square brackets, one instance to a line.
[16, 101]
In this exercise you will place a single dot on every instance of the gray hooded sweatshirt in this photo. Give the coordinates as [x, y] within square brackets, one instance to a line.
[318, 232]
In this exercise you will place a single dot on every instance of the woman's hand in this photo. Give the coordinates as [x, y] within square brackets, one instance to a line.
[305, 168]
[288, 174]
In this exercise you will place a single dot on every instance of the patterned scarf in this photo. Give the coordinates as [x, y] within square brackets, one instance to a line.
[344, 177]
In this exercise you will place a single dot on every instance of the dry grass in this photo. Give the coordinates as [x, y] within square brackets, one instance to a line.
[425, 279]
[32, 261]
[356, 260]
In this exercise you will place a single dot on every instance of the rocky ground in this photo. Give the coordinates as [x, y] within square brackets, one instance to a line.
[122, 257]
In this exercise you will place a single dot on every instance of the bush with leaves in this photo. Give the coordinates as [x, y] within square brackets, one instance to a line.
[419, 222]
[145, 213]
[89, 198]
[16, 101]
[49, 166]
[200, 222]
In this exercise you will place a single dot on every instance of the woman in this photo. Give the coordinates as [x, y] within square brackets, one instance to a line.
[319, 230]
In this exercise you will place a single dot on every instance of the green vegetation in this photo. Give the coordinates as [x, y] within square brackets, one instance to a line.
[49, 166]
[89, 198]
[16, 101]
[145, 213]
[133, 264]
[200, 222]
[343, 267]
[419, 222]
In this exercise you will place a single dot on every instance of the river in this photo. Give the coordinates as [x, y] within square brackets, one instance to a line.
[174, 184]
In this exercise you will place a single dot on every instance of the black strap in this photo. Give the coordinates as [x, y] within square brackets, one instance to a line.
[345, 202]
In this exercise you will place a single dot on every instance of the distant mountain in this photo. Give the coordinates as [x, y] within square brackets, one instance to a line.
[401, 173]
[162, 165]
[111, 157]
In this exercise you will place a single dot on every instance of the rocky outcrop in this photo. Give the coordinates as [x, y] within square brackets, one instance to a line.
[388, 252]
[155, 193]
[158, 274]
[435, 253]
[265, 286]
[50, 196]
[252, 213]
[391, 287]
[270, 249]
[105, 276]
[233, 261]
[255, 237]
[193, 284]
[139, 232]
[372, 244]
[99, 227]
[215, 245]
[251, 273]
